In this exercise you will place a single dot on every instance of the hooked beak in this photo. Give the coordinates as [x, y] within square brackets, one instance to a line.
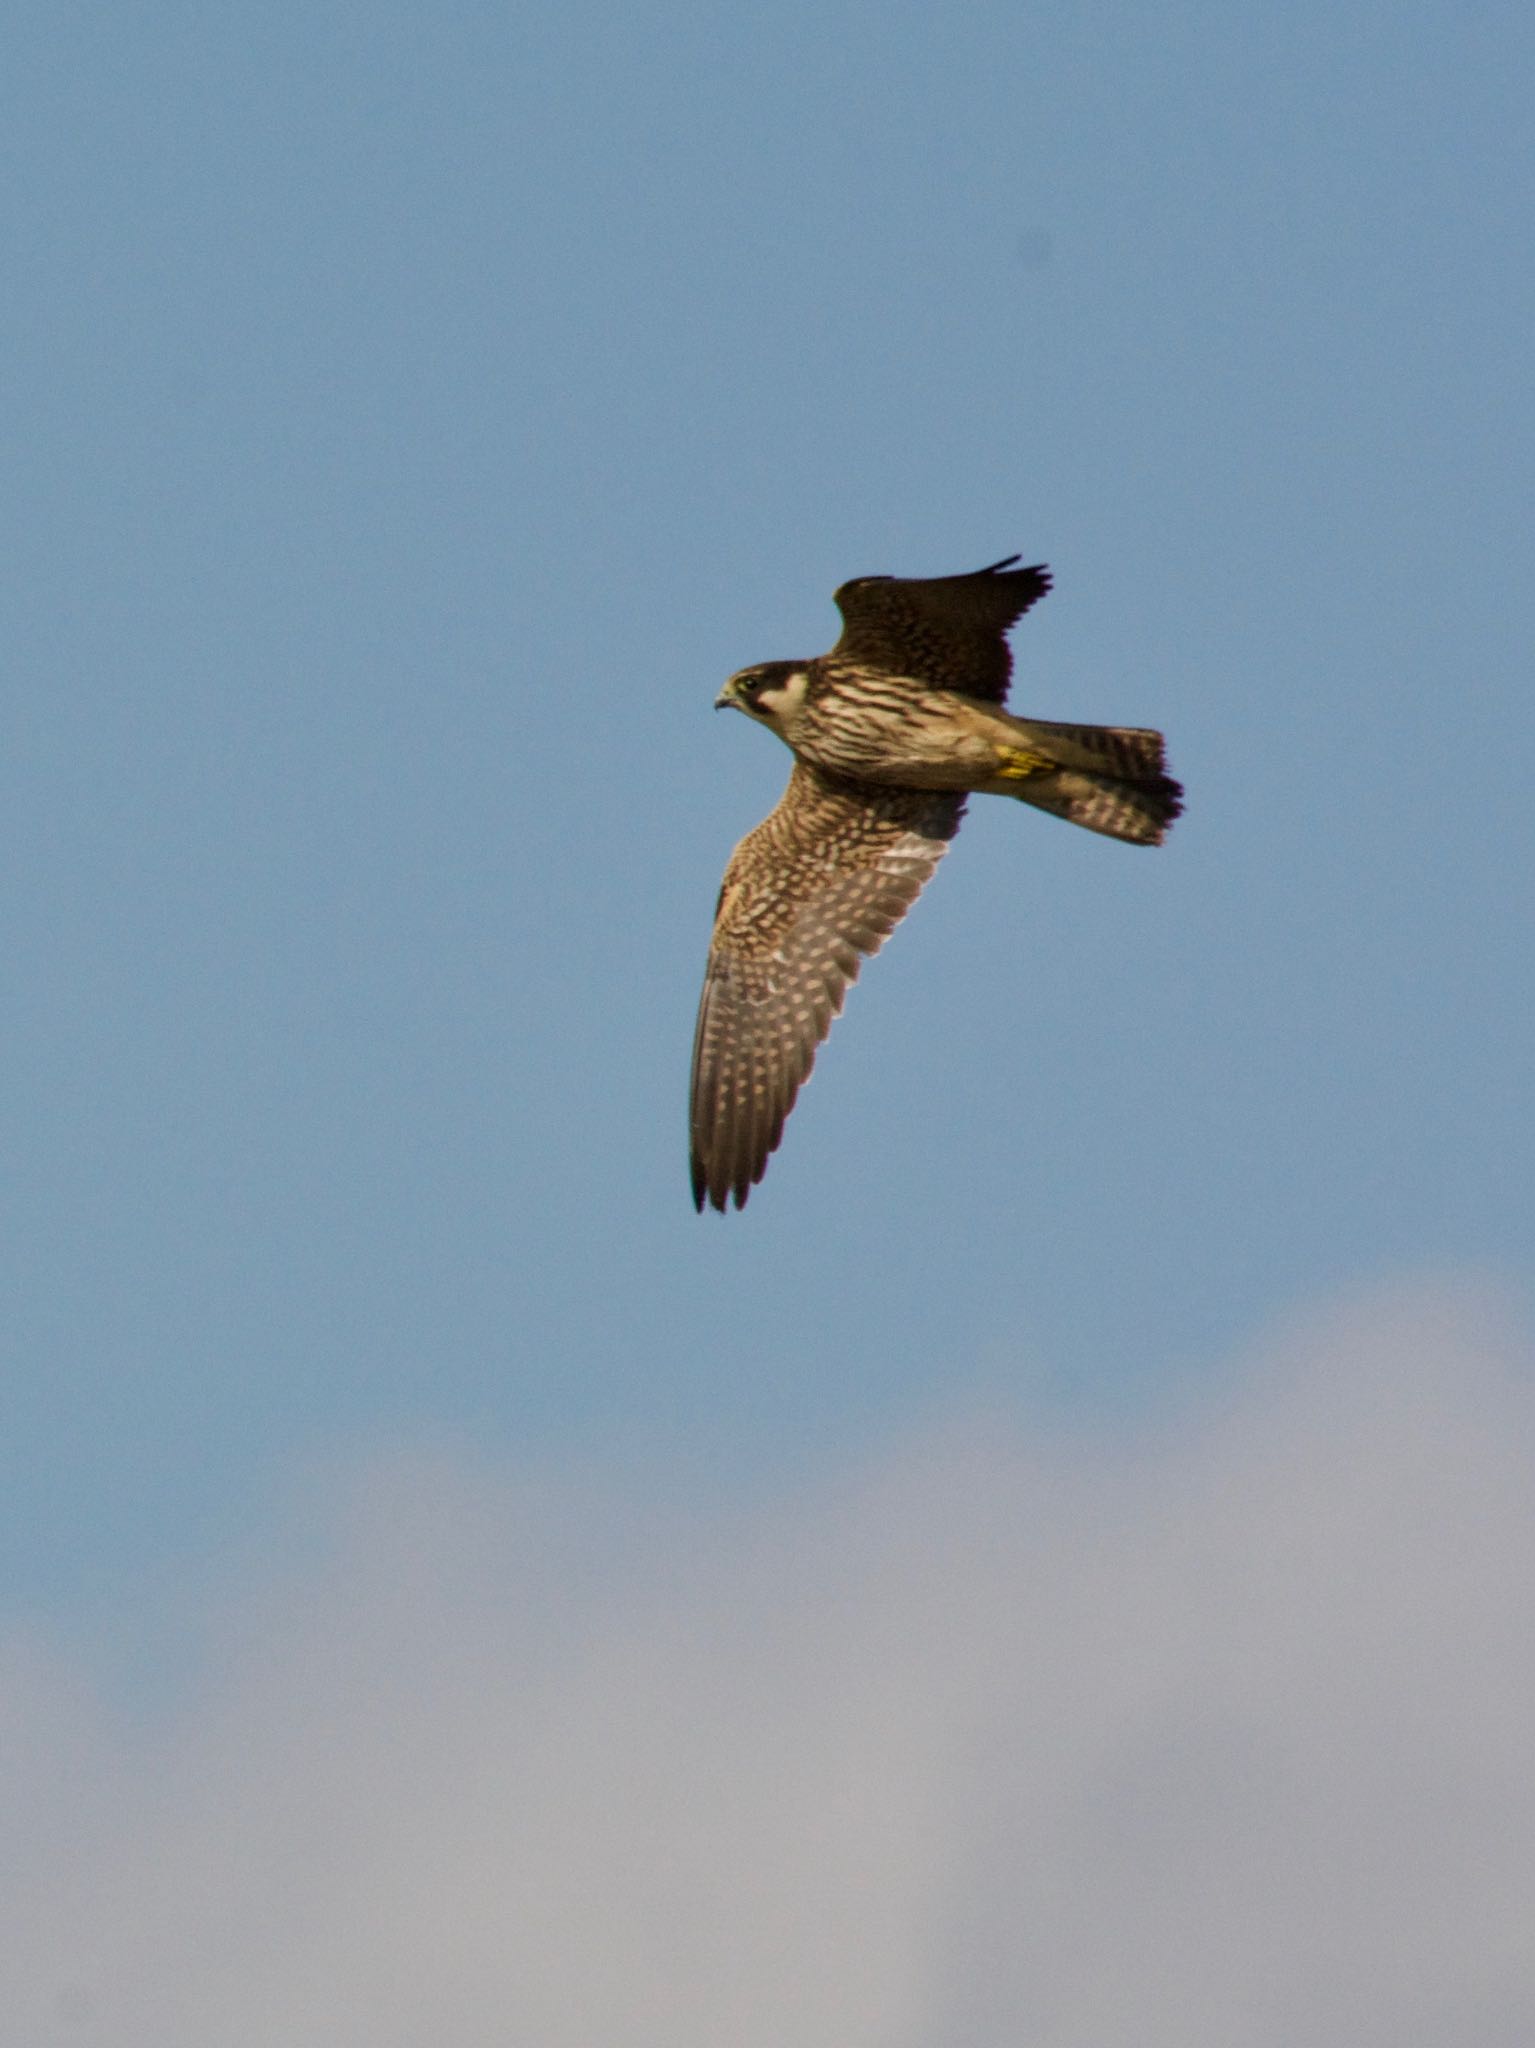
[726, 697]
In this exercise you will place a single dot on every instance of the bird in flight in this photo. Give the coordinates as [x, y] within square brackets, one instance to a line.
[890, 733]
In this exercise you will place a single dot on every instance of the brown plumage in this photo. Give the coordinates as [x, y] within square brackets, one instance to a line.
[889, 731]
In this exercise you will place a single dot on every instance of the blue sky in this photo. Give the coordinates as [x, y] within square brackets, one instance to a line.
[1120, 1386]
[413, 415]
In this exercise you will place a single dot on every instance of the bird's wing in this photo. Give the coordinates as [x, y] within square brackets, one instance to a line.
[949, 631]
[822, 881]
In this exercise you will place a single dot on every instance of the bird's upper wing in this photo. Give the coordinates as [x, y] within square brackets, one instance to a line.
[949, 631]
[823, 880]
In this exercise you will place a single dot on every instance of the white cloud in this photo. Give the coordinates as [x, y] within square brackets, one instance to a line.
[1218, 1740]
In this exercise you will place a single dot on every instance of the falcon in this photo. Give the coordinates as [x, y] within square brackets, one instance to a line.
[890, 733]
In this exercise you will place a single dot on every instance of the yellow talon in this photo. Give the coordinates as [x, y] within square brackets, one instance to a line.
[1017, 764]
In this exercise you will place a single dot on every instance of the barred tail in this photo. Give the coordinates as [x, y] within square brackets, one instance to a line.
[1109, 778]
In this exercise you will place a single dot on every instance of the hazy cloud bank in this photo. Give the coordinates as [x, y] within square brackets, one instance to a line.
[1219, 1738]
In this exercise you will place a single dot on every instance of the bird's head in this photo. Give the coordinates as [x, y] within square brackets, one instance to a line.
[771, 692]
